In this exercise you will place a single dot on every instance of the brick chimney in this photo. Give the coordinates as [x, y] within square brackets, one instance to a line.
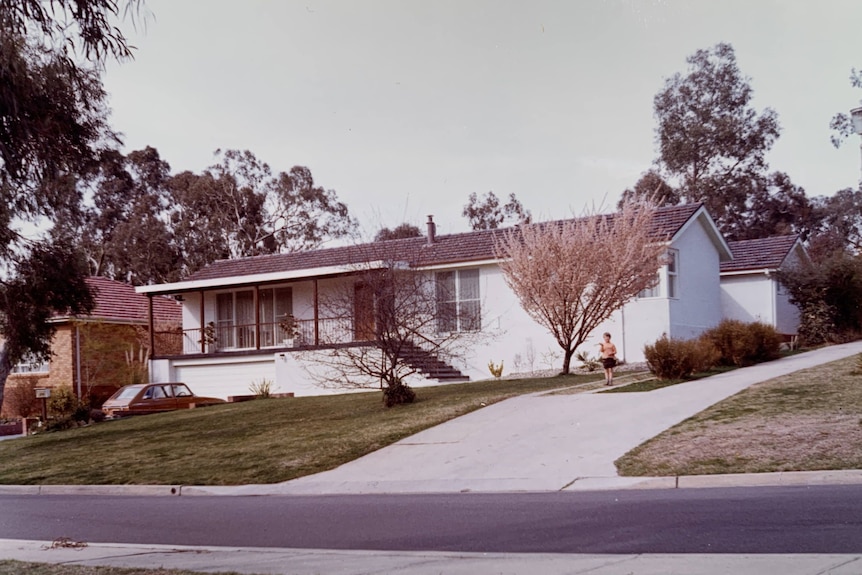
[432, 230]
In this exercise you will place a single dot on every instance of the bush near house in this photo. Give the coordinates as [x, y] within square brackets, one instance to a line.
[731, 343]
[741, 343]
[673, 358]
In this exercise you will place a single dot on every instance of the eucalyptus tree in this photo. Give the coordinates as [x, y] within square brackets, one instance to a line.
[53, 128]
[710, 137]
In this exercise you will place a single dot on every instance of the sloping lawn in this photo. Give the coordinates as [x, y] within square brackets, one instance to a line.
[264, 441]
[804, 421]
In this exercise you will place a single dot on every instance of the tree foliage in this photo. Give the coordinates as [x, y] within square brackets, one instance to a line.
[571, 275]
[399, 232]
[239, 208]
[842, 124]
[125, 232]
[487, 213]
[829, 296]
[651, 187]
[53, 128]
[710, 138]
[776, 207]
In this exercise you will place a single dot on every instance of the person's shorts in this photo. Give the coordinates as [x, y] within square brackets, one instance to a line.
[609, 362]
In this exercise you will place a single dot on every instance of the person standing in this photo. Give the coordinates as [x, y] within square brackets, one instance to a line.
[609, 358]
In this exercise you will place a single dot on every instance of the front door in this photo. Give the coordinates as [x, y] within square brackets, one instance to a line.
[363, 312]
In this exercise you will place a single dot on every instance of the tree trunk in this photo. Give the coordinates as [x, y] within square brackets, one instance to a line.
[567, 360]
[5, 369]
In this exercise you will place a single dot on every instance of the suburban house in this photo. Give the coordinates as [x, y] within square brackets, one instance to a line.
[234, 311]
[97, 353]
[750, 290]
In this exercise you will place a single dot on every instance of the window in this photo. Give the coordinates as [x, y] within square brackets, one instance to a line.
[31, 364]
[672, 272]
[458, 303]
[235, 319]
[672, 268]
[275, 305]
[654, 291]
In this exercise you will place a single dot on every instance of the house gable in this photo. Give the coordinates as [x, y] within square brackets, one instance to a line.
[763, 254]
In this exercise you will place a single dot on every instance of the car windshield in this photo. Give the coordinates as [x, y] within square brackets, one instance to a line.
[128, 392]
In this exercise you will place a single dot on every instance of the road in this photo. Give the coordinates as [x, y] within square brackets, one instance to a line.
[822, 519]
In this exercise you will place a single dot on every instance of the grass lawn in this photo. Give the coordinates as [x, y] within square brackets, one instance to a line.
[265, 441]
[804, 421]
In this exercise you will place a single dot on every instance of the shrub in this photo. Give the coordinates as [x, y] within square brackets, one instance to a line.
[587, 362]
[62, 402]
[741, 343]
[672, 358]
[63, 405]
[733, 341]
[816, 325]
[397, 394]
[261, 389]
[767, 342]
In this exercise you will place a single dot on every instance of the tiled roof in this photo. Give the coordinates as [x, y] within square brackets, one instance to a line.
[118, 302]
[446, 249]
[763, 253]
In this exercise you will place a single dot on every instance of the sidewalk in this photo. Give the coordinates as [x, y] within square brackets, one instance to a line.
[323, 562]
[529, 443]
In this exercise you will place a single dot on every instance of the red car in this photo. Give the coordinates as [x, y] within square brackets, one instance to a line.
[145, 398]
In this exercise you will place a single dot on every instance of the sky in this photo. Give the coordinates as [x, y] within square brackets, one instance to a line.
[406, 107]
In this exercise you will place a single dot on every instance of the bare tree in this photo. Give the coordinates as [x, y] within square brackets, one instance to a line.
[571, 275]
[396, 315]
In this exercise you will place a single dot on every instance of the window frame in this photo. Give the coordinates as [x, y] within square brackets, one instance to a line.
[461, 298]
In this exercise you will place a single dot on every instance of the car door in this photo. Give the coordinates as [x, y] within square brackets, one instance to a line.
[182, 395]
[156, 398]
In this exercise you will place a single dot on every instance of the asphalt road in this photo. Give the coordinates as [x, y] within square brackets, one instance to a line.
[822, 519]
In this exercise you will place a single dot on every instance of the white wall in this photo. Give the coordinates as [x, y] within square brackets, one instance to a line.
[510, 335]
[224, 376]
[748, 298]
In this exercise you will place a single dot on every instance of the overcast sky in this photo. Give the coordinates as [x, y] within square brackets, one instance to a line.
[406, 107]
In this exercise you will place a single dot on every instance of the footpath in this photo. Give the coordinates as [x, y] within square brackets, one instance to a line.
[535, 443]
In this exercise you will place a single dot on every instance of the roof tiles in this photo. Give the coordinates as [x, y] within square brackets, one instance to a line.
[118, 302]
[762, 253]
[446, 249]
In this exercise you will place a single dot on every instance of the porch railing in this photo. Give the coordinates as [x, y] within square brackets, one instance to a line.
[232, 337]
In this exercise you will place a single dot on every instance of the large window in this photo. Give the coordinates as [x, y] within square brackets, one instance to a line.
[235, 319]
[458, 303]
[275, 305]
[30, 364]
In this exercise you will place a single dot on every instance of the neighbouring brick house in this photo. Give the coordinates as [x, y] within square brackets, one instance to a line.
[98, 353]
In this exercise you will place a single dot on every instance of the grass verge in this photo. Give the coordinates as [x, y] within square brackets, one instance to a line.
[265, 441]
[27, 568]
[805, 421]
